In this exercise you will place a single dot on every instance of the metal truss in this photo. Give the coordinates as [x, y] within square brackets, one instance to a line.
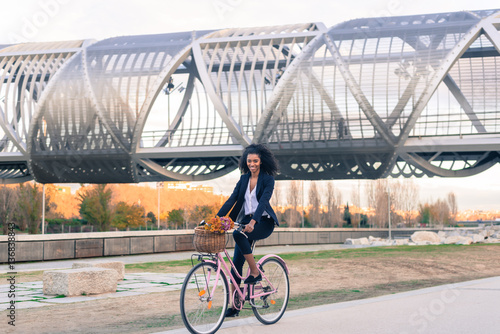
[368, 98]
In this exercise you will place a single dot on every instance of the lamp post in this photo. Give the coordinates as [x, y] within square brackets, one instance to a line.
[159, 186]
[43, 208]
[389, 208]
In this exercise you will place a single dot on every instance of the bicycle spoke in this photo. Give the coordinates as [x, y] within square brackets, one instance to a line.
[201, 313]
[274, 291]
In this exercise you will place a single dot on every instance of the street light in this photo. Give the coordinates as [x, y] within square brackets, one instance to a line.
[159, 185]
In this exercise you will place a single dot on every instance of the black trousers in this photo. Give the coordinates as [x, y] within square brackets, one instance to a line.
[243, 246]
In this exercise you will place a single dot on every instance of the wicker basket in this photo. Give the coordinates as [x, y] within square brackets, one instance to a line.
[205, 241]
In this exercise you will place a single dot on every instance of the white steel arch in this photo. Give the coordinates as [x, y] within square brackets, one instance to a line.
[367, 98]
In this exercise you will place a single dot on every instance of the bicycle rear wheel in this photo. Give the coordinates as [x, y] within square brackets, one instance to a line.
[203, 301]
[270, 308]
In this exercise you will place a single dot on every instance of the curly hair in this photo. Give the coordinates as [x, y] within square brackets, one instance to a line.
[269, 163]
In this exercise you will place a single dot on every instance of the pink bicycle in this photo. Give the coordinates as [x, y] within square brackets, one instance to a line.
[205, 292]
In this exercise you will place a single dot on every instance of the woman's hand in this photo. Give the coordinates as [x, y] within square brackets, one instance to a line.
[250, 226]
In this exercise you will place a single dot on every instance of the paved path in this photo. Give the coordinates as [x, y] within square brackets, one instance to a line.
[468, 307]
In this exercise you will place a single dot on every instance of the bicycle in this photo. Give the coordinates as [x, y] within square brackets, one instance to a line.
[205, 291]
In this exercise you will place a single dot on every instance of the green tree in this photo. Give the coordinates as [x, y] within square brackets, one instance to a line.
[30, 206]
[176, 217]
[95, 206]
[151, 217]
[425, 214]
[127, 216]
[8, 205]
[202, 212]
[347, 215]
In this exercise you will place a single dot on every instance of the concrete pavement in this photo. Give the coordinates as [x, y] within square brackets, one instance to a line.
[468, 307]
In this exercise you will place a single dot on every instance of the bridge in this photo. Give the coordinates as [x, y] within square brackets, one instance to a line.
[364, 99]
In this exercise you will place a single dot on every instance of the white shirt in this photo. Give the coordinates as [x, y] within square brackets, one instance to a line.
[251, 201]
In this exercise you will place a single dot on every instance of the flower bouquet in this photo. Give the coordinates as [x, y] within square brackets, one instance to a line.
[211, 237]
[219, 224]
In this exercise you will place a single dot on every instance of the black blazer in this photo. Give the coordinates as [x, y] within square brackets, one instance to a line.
[265, 187]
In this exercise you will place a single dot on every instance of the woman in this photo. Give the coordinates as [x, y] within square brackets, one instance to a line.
[249, 205]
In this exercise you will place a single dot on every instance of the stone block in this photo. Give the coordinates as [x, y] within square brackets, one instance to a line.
[4, 256]
[184, 243]
[335, 238]
[118, 266]
[89, 248]
[299, 238]
[59, 249]
[311, 237]
[420, 237]
[141, 245]
[28, 251]
[82, 281]
[116, 246]
[323, 237]
[272, 240]
[286, 238]
[164, 243]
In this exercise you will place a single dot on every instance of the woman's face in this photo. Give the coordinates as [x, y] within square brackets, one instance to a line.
[253, 163]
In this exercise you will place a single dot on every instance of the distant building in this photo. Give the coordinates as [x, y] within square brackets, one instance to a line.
[63, 189]
[187, 186]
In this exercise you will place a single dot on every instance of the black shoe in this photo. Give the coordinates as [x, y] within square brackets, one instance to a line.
[251, 279]
[231, 312]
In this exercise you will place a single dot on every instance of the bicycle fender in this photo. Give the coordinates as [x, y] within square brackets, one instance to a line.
[277, 258]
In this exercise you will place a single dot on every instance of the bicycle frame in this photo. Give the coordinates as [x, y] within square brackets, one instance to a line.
[222, 267]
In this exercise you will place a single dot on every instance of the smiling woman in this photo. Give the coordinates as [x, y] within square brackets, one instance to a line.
[249, 206]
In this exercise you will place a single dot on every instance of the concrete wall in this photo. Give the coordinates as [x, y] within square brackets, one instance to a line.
[97, 244]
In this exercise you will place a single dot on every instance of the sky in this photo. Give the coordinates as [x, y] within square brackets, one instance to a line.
[60, 20]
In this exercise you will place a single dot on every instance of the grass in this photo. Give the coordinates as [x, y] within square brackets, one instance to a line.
[368, 252]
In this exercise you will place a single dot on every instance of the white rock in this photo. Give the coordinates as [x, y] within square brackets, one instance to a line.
[380, 243]
[364, 241]
[464, 241]
[453, 239]
[492, 241]
[372, 239]
[402, 242]
[425, 236]
[477, 238]
[349, 241]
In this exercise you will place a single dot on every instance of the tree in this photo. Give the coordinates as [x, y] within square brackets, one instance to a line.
[405, 199]
[333, 200]
[377, 199]
[127, 216]
[441, 211]
[452, 203]
[314, 203]
[276, 200]
[8, 205]
[202, 212]
[151, 217]
[30, 205]
[347, 215]
[95, 206]
[293, 216]
[176, 217]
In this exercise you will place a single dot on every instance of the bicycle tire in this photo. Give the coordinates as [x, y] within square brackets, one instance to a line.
[269, 309]
[200, 313]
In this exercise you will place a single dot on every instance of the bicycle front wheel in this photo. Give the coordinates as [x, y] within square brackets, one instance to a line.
[204, 299]
[270, 307]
